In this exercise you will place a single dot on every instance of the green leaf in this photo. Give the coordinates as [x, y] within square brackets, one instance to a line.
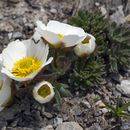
[65, 92]
[117, 104]
[58, 97]
[110, 107]
[64, 85]
[124, 114]
[123, 107]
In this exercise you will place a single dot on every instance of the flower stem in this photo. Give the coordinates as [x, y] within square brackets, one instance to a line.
[55, 57]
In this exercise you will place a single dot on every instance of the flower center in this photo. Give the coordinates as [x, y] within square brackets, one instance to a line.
[44, 90]
[1, 85]
[86, 40]
[26, 66]
[60, 35]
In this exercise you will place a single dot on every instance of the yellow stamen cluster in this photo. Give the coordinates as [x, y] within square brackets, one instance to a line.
[44, 91]
[86, 40]
[26, 66]
[60, 35]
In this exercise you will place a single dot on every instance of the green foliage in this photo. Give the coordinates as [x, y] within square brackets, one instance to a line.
[111, 40]
[118, 50]
[118, 111]
[92, 23]
[59, 89]
[87, 72]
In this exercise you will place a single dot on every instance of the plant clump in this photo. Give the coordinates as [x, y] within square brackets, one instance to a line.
[87, 72]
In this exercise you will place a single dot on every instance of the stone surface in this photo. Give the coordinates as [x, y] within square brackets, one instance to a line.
[17, 35]
[100, 104]
[125, 126]
[118, 16]
[57, 121]
[69, 126]
[104, 11]
[49, 127]
[86, 4]
[125, 87]
[47, 114]
[86, 104]
[95, 126]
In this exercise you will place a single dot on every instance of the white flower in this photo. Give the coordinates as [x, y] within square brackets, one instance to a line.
[86, 47]
[43, 92]
[23, 60]
[60, 35]
[5, 89]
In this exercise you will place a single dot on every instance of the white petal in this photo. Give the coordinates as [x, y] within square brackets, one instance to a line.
[36, 37]
[71, 40]
[38, 97]
[64, 29]
[14, 51]
[0, 61]
[40, 25]
[5, 92]
[88, 48]
[39, 50]
[49, 36]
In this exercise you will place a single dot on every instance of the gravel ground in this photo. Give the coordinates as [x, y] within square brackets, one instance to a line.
[82, 111]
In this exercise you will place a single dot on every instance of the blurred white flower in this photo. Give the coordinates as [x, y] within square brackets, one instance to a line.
[5, 89]
[23, 60]
[86, 47]
[60, 35]
[43, 92]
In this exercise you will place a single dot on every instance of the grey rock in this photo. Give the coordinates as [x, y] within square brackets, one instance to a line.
[125, 126]
[78, 112]
[19, 128]
[124, 87]
[100, 103]
[47, 114]
[86, 104]
[2, 124]
[14, 123]
[57, 121]
[128, 109]
[116, 3]
[104, 110]
[97, 4]
[1, 16]
[49, 127]
[116, 93]
[17, 35]
[53, 10]
[43, 109]
[118, 16]
[5, 26]
[104, 11]
[127, 9]
[86, 4]
[10, 35]
[29, 25]
[106, 98]
[116, 77]
[14, 1]
[3, 128]
[69, 126]
[95, 126]
[37, 116]
[9, 113]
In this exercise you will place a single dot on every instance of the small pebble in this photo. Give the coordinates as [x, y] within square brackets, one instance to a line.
[48, 115]
[17, 35]
[54, 11]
